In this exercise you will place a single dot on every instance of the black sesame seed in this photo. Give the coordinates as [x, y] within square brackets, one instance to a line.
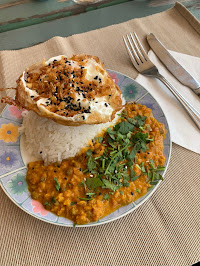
[40, 152]
[65, 178]
[96, 77]
[83, 117]
[32, 96]
[54, 171]
[99, 193]
[106, 104]
[58, 166]
[131, 193]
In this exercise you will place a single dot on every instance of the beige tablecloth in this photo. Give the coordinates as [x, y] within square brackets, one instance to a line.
[165, 230]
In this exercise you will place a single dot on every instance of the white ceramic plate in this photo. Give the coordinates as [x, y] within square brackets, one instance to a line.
[12, 160]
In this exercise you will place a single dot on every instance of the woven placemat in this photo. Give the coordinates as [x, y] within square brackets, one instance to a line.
[165, 230]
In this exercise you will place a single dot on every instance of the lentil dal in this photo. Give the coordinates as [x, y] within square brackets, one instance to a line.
[117, 168]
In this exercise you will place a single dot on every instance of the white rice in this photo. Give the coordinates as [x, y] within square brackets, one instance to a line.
[51, 142]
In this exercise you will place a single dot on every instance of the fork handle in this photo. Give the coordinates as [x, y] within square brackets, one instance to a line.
[194, 114]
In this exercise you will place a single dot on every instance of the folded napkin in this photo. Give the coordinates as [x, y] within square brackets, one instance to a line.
[183, 130]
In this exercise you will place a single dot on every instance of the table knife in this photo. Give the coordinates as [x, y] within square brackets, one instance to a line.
[172, 65]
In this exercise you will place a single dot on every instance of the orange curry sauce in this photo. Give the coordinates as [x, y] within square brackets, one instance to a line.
[61, 187]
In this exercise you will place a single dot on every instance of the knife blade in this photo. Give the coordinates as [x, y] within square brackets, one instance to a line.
[172, 65]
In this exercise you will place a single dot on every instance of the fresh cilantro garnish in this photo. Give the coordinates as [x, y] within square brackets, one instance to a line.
[89, 152]
[153, 175]
[72, 203]
[93, 183]
[46, 203]
[86, 199]
[124, 127]
[53, 200]
[91, 164]
[114, 168]
[109, 185]
[106, 197]
[138, 190]
[100, 139]
[57, 184]
[89, 194]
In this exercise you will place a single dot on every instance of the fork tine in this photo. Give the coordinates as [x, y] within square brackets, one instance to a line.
[141, 47]
[133, 50]
[130, 53]
[139, 53]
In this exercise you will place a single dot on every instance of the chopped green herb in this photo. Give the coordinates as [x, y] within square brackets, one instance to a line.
[89, 152]
[134, 178]
[85, 171]
[53, 200]
[82, 184]
[111, 169]
[121, 192]
[46, 203]
[91, 164]
[85, 198]
[124, 127]
[108, 184]
[103, 163]
[94, 182]
[106, 197]
[100, 139]
[89, 194]
[137, 165]
[138, 190]
[72, 203]
[57, 184]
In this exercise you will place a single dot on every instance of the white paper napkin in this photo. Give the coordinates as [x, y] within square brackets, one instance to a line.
[183, 130]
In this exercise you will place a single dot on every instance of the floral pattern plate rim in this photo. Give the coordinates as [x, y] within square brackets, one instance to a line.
[13, 169]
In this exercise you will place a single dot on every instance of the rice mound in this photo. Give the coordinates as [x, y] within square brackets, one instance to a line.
[46, 140]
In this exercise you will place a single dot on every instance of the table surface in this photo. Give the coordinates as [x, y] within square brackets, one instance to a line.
[31, 242]
[24, 23]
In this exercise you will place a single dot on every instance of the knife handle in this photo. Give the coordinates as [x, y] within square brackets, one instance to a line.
[194, 114]
[197, 91]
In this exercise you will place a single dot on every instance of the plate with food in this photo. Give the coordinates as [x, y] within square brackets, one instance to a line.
[81, 145]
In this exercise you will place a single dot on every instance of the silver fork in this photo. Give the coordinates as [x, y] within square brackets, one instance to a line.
[143, 64]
